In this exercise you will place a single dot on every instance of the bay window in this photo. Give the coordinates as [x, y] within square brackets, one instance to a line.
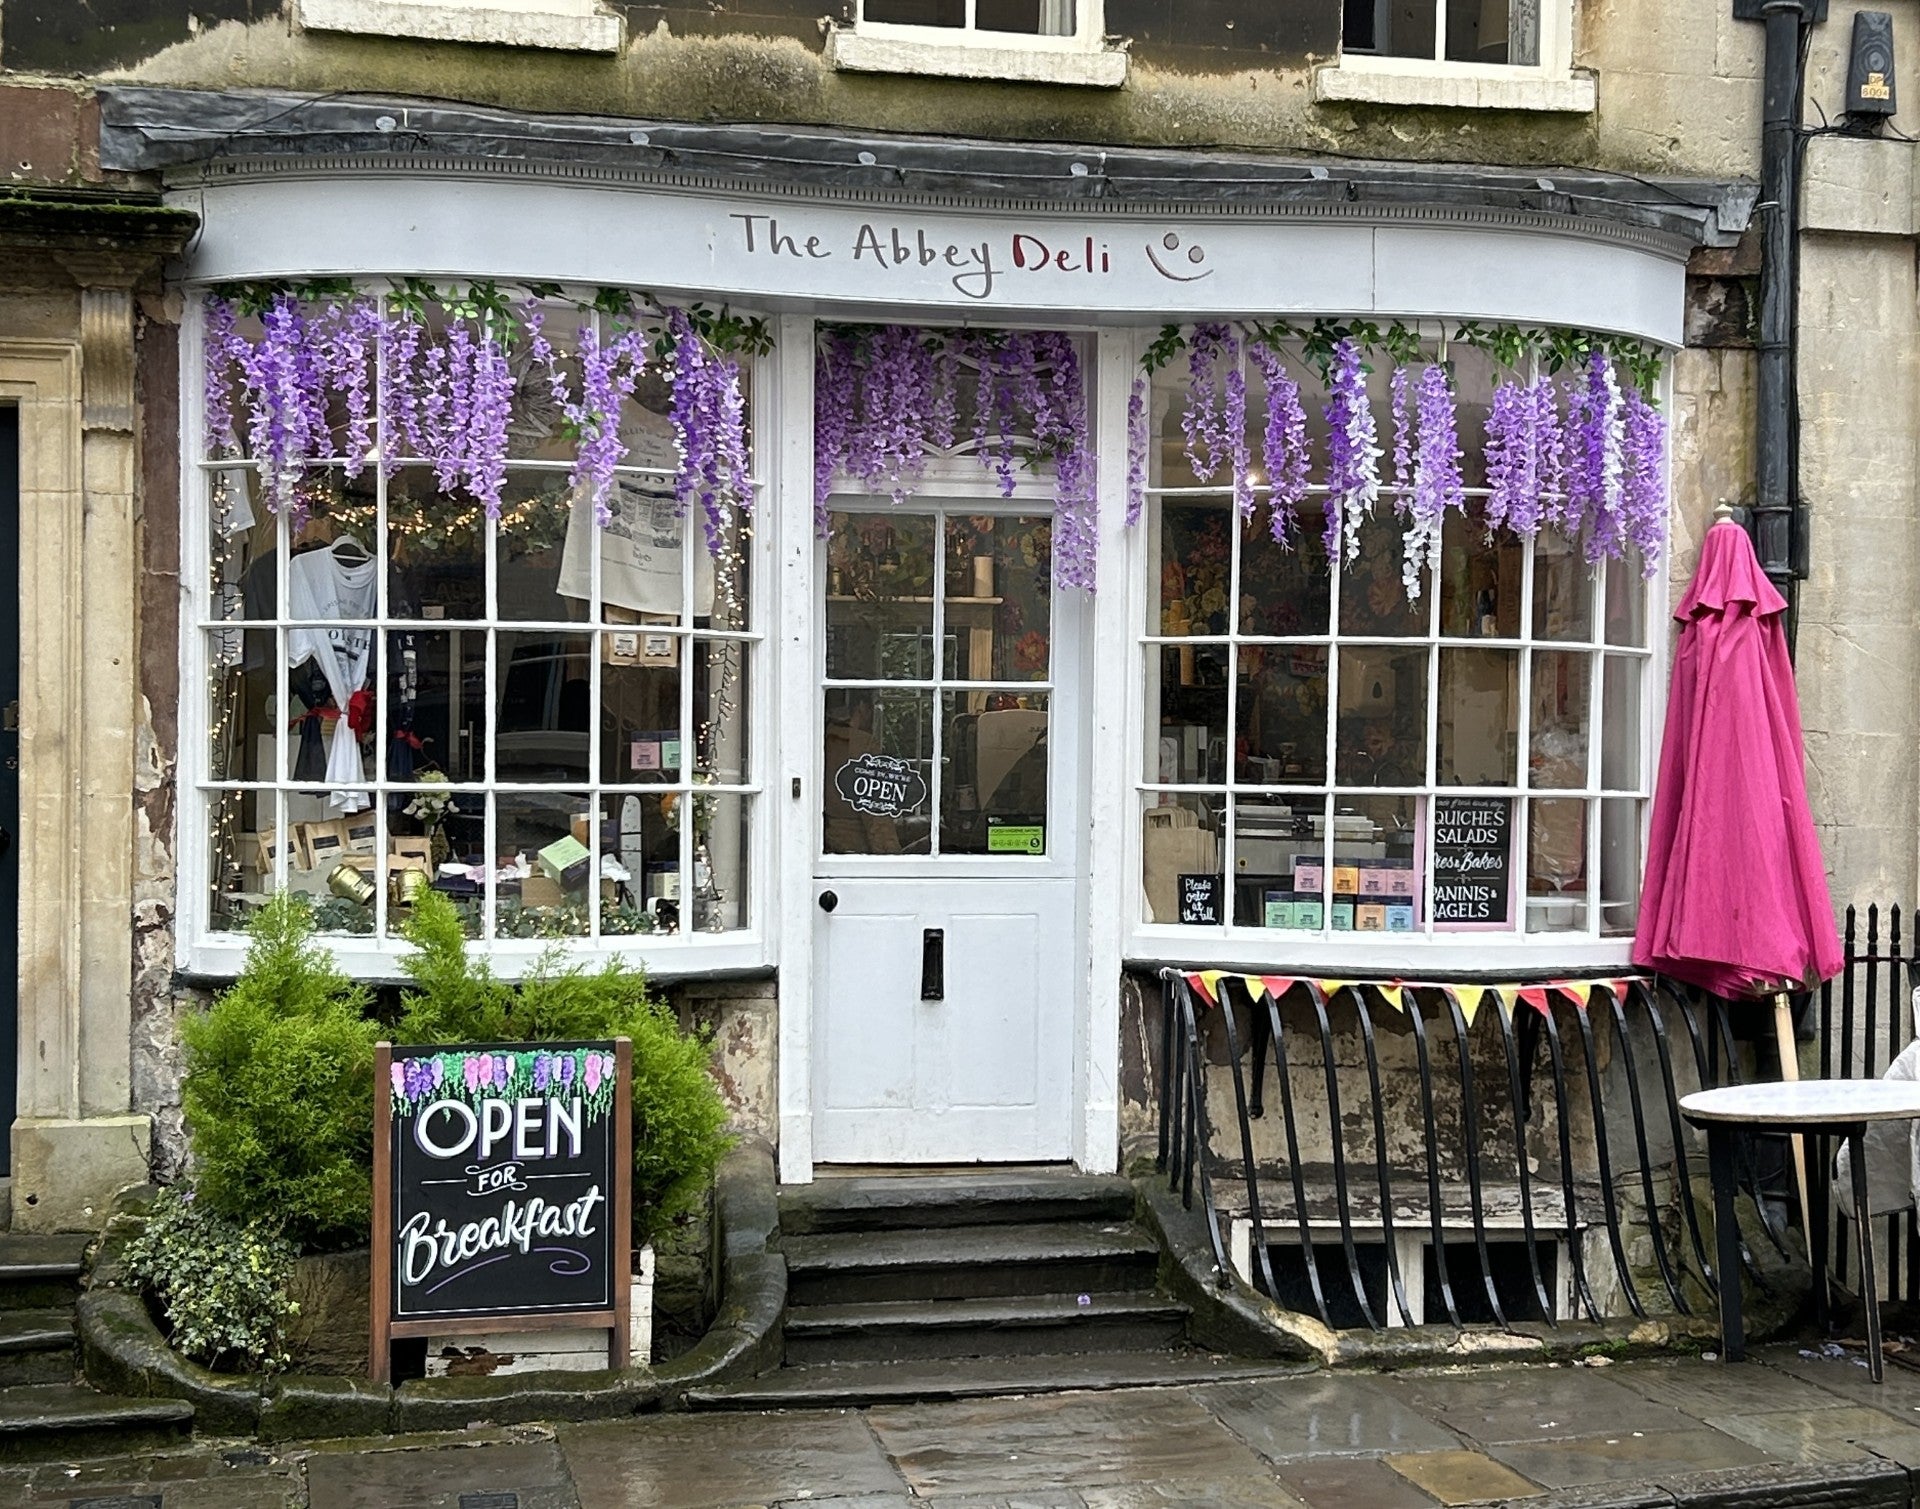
[1328, 753]
[542, 715]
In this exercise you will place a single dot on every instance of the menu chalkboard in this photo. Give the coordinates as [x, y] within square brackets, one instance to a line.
[1200, 898]
[502, 1188]
[1472, 858]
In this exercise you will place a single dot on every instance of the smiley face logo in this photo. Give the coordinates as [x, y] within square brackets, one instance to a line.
[1196, 256]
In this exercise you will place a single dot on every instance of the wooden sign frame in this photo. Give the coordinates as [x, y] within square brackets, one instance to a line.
[388, 1328]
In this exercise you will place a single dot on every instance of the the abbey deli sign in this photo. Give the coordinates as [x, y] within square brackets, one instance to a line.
[503, 1179]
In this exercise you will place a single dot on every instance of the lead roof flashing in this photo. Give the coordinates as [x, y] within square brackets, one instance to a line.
[206, 135]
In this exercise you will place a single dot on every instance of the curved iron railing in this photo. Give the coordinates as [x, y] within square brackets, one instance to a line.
[1635, 1022]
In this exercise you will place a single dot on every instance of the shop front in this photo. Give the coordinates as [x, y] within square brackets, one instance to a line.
[975, 598]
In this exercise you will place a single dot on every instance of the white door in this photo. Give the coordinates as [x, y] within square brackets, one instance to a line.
[947, 955]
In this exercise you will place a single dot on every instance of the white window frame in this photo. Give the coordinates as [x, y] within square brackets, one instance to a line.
[1551, 85]
[201, 950]
[1430, 950]
[552, 25]
[1083, 56]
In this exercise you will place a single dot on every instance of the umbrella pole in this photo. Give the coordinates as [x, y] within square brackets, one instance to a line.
[1790, 1071]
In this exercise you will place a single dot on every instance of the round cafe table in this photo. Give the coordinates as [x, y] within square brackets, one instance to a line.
[1820, 1108]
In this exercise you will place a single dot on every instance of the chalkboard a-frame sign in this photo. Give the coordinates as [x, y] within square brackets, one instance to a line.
[502, 1190]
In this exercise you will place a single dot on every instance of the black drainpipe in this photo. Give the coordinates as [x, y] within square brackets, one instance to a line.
[1780, 526]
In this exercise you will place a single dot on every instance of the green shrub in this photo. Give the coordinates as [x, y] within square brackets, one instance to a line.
[678, 1117]
[279, 1089]
[222, 1286]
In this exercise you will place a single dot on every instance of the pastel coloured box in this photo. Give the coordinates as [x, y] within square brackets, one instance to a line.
[1308, 873]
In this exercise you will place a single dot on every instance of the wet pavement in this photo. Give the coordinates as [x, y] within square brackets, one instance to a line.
[1788, 1428]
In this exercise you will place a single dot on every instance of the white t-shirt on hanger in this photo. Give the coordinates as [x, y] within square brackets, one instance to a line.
[322, 587]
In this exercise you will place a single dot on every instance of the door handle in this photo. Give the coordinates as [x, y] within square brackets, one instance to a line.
[828, 901]
[933, 964]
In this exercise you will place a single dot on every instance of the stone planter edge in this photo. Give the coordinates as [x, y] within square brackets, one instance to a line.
[122, 1350]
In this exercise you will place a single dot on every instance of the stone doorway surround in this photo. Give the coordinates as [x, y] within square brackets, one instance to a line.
[67, 361]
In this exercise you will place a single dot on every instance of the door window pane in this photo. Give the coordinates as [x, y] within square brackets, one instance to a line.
[879, 769]
[994, 773]
[880, 575]
[998, 599]
[1191, 738]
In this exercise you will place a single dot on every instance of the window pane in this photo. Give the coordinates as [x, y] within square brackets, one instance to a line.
[994, 777]
[241, 693]
[538, 839]
[436, 550]
[1556, 865]
[1493, 31]
[242, 841]
[1626, 603]
[1196, 567]
[1181, 854]
[640, 890]
[1282, 714]
[1620, 867]
[1191, 743]
[880, 570]
[1284, 591]
[1382, 725]
[998, 591]
[915, 12]
[1373, 598]
[541, 728]
[720, 709]
[1478, 724]
[642, 565]
[1562, 697]
[1279, 873]
[1474, 839]
[1620, 722]
[241, 571]
[640, 737]
[1375, 880]
[536, 517]
[878, 794]
[1562, 589]
[536, 426]
[721, 867]
[1479, 582]
[437, 694]
[1395, 28]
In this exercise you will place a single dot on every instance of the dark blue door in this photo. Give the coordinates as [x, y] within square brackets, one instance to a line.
[9, 777]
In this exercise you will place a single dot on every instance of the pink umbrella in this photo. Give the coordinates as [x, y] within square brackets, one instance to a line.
[1735, 898]
[1736, 892]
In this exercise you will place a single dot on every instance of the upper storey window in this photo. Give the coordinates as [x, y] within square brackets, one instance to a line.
[1491, 54]
[1022, 41]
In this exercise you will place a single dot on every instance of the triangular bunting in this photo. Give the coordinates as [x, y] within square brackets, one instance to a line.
[1207, 982]
[1470, 998]
[1278, 985]
[1506, 995]
[1330, 988]
[1394, 995]
[1536, 997]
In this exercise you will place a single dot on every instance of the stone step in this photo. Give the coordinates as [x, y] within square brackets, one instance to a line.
[40, 1272]
[997, 1326]
[967, 1262]
[44, 1422]
[36, 1346]
[851, 1384]
[915, 1201]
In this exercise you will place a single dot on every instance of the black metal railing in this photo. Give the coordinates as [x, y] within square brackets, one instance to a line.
[1864, 1022]
[1609, 1083]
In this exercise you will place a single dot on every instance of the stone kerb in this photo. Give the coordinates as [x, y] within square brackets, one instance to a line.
[124, 1352]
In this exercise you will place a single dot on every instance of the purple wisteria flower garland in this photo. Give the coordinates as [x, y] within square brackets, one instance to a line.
[886, 397]
[1284, 444]
[1353, 452]
[446, 389]
[1437, 485]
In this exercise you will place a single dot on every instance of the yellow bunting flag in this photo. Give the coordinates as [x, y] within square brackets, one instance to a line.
[1395, 995]
[1506, 995]
[1471, 998]
[1331, 988]
[1207, 982]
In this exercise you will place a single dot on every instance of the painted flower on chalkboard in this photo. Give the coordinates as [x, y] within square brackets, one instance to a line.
[473, 1077]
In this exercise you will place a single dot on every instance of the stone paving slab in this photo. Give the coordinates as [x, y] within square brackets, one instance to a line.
[1629, 1457]
[1462, 1477]
[1349, 1483]
[720, 1461]
[1056, 1440]
[534, 1472]
[1533, 1404]
[1325, 1415]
